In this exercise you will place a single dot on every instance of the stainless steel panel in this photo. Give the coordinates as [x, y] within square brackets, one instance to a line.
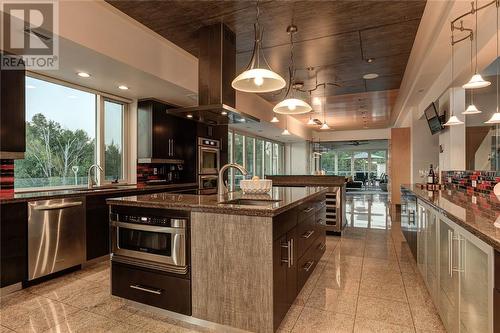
[56, 235]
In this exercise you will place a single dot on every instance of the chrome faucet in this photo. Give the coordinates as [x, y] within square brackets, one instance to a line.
[91, 182]
[221, 187]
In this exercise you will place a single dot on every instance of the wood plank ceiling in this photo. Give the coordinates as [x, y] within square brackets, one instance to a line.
[334, 43]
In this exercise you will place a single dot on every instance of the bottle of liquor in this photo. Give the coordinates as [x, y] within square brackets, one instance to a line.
[431, 177]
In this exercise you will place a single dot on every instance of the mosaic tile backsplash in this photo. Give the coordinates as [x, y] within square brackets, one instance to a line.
[6, 177]
[479, 183]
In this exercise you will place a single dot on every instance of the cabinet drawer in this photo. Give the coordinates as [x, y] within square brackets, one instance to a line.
[307, 232]
[306, 264]
[151, 287]
[306, 210]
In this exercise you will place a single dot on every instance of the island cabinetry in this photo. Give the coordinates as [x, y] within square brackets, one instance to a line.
[13, 244]
[496, 295]
[299, 242]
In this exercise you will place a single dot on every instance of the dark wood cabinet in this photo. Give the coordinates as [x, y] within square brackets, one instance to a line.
[13, 243]
[496, 294]
[12, 114]
[299, 241]
[156, 288]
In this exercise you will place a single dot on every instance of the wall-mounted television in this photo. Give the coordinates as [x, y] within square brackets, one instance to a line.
[434, 120]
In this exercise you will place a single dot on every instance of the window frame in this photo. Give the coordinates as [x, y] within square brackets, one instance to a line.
[99, 131]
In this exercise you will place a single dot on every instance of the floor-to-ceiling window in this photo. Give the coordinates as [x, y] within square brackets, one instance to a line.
[259, 156]
[63, 136]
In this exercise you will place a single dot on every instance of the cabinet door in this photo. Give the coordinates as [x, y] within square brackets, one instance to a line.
[475, 267]
[12, 112]
[421, 238]
[13, 243]
[280, 268]
[448, 278]
[431, 253]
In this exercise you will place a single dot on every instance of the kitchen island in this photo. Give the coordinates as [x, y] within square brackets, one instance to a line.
[248, 257]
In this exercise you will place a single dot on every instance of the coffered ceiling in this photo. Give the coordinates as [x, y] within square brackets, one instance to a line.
[334, 43]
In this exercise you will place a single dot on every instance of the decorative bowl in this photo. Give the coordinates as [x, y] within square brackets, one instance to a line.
[259, 186]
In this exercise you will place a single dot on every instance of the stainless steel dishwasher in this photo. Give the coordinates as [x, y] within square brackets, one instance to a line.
[56, 235]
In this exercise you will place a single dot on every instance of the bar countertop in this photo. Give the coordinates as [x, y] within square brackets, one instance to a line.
[286, 198]
[477, 218]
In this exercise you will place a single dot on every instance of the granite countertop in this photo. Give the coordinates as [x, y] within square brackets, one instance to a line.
[477, 218]
[288, 197]
[82, 191]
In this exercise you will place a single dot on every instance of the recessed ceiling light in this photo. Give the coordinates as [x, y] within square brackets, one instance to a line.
[370, 76]
[242, 120]
[189, 116]
[83, 74]
[369, 60]
[224, 113]
[122, 87]
[30, 86]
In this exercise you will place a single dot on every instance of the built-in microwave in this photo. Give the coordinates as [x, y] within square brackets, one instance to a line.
[208, 156]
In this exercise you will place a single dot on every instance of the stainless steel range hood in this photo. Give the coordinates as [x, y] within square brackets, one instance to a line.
[216, 70]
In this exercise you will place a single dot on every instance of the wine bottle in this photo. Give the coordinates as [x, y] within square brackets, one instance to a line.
[431, 177]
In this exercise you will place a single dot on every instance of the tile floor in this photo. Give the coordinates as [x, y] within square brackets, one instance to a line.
[365, 282]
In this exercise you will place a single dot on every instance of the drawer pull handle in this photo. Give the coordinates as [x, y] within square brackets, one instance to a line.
[289, 246]
[308, 209]
[322, 246]
[308, 265]
[308, 234]
[146, 289]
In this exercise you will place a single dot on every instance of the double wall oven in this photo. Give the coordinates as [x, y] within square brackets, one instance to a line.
[208, 165]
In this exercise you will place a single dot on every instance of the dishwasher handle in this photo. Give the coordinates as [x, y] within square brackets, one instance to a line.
[58, 206]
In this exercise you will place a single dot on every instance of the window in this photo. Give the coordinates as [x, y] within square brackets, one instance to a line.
[113, 140]
[63, 139]
[259, 156]
[60, 136]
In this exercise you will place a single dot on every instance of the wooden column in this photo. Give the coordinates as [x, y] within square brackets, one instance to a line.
[400, 162]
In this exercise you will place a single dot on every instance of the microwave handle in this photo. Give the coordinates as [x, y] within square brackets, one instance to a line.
[151, 228]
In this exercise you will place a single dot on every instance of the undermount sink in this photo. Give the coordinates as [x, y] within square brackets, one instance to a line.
[251, 202]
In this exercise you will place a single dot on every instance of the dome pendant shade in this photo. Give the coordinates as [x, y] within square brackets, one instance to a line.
[258, 80]
[258, 76]
[495, 119]
[292, 106]
[275, 120]
[285, 132]
[476, 82]
[310, 122]
[324, 126]
[471, 109]
[453, 121]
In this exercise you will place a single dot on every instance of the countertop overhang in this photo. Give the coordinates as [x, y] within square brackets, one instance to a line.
[288, 197]
[458, 206]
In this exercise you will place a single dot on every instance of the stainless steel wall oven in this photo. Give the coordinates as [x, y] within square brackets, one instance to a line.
[208, 156]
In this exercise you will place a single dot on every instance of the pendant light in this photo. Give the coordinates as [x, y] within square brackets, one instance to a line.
[325, 125]
[476, 80]
[453, 119]
[285, 131]
[257, 79]
[310, 121]
[275, 120]
[291, 104]
[471, 109]
[495, 118]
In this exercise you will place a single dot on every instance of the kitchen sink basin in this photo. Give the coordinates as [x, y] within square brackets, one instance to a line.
[250, 202]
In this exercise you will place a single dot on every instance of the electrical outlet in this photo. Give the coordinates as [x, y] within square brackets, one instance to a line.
[449, 180]
[155, 171]
[474, 199]
[474, 183]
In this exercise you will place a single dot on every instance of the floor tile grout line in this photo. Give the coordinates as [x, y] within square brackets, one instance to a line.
[404, 284]
[359, 287]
